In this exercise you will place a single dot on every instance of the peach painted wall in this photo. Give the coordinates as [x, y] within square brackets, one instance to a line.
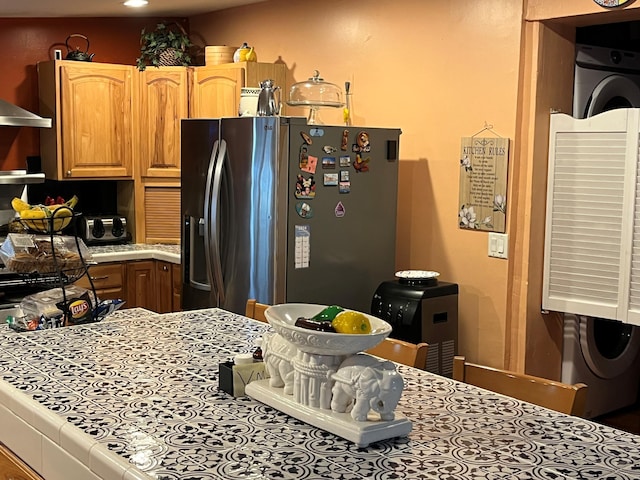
[437, 70]
[27, 41]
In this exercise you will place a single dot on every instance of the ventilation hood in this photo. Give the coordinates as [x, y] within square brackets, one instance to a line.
[14, 116]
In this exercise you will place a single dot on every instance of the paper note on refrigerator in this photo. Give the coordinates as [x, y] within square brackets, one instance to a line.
[302, 246]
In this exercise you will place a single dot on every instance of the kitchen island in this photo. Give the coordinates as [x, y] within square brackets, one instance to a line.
[136, 396]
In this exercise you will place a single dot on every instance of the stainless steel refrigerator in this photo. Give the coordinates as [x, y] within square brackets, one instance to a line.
[281, 211]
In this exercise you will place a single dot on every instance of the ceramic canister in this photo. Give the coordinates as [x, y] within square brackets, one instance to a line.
[248, 102]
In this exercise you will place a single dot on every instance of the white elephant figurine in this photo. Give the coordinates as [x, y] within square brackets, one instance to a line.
[278, 355]
[364, 383]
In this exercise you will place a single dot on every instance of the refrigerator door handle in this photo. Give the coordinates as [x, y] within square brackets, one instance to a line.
[192, 260]
[212, 209]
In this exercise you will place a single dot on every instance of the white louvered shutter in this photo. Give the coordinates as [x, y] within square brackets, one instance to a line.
[591, 197]
[633, 309]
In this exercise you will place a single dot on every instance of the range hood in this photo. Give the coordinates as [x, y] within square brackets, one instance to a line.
[14, 116]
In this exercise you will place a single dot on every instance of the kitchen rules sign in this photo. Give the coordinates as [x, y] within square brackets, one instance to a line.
[483, 183]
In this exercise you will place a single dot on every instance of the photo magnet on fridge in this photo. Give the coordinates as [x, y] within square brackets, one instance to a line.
[304, 210]
[328, 162]
[305, 187]
[330, 179]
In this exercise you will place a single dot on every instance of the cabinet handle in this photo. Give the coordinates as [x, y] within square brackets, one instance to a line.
[68, 173]
[165, 268]
[103, 277]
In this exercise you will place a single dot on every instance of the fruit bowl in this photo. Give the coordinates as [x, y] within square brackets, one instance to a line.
[46, 225]
[283, 317]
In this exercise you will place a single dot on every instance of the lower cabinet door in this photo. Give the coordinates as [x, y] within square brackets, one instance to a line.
[12, 468]
[164, 284]
[141, 285]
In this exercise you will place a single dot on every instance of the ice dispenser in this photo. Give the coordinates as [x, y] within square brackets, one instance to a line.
[422, 309]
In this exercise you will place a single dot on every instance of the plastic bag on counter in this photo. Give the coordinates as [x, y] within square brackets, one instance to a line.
[28, 253]
[48, 309]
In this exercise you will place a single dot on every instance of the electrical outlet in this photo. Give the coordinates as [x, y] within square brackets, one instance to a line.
[498, 245]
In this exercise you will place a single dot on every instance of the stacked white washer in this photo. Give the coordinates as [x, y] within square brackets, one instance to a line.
[604, 354]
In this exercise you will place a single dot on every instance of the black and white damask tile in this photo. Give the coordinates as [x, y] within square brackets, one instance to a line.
[146, 386]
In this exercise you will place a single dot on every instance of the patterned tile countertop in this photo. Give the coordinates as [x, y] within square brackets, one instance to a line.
[135, 251]
[136, 396]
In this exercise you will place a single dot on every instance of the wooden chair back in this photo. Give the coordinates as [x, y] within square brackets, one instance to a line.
[256, 310]
[411, 354]
[562, 397]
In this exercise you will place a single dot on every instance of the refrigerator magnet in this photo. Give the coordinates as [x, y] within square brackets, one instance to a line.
[328, 162]
[344, 187]
[344, 175]
[302, 246]
[361, 165]
[316, 132]
[304, 157]
[328, 149]
[339, 210]
[312, 163]
[306, 138]
[305, 187]
[345, 140]
[362, 143]
[304, 210]
[345, 160]
[330, 179]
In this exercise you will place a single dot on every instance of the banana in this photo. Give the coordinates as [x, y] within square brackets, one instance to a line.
[34, 212]
[19, 205]
[71, 203]
[60, 210]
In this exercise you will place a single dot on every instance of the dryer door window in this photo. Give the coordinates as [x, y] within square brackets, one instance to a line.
[613, 92]
[609, 347]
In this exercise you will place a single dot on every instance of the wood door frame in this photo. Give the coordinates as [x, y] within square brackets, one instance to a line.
[534, 339]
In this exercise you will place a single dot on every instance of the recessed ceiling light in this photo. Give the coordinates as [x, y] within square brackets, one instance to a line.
[136, 3]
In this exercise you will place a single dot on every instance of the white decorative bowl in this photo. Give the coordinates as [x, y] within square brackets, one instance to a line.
[283, 318]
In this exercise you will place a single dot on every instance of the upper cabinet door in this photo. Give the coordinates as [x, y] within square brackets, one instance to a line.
[216, 90]
[163, 103]
[92, 108]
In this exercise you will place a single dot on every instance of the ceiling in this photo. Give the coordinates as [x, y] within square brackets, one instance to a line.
[114, 8]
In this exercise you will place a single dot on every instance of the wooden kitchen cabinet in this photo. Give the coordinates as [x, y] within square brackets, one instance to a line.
[215, 90]
[141, 285]
[163, 102]
[154, 285]
[108, 279]
[12, 468]
[92, 108]
[164, 287]
[176, 277]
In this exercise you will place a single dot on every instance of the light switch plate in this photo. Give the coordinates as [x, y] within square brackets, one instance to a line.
[498, 245]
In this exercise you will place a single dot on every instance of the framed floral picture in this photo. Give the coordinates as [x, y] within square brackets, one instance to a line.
[483, 183]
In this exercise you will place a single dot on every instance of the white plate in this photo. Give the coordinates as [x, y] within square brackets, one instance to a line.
[417, 274]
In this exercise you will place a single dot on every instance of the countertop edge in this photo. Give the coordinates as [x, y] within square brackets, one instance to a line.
[50, 445]
[143, 253]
